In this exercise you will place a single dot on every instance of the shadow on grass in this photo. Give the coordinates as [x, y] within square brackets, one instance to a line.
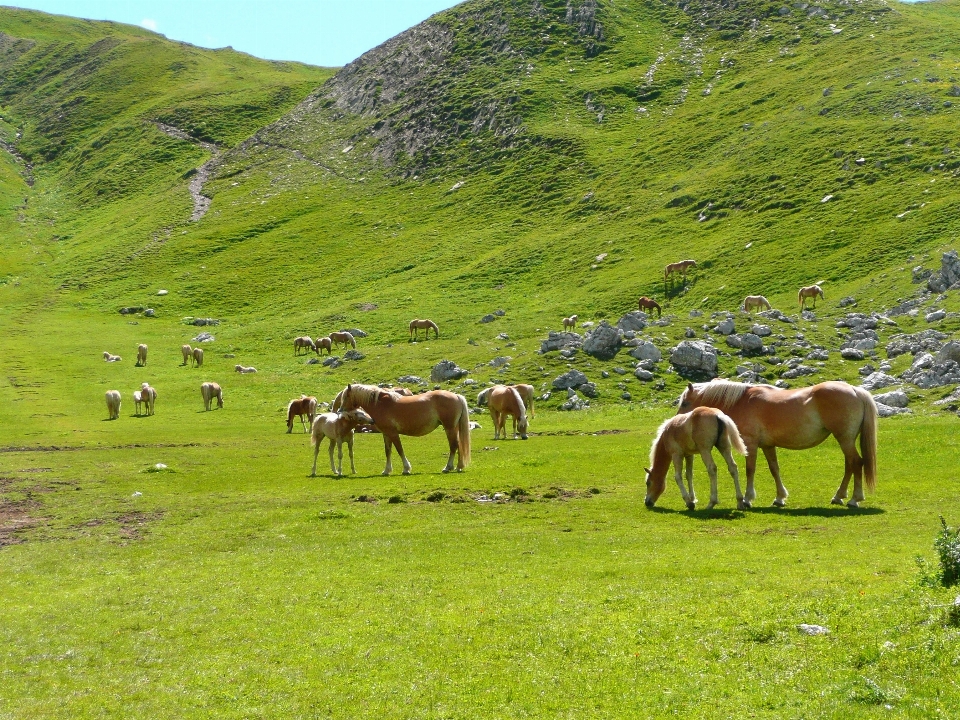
[833, 511]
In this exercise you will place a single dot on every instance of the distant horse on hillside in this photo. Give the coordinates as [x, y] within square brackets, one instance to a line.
[187, 353]
[678, 267]
[396, 415]
[751, 302]
[343, 337]
[323, 343]
[198, 357]
[209, 391]
[304, 343]
[679, 439]
[111, 358]
[646, 303]
[504, 400]
[337, 426]
[141, 355]
[425, 325]
[243, 370]
[809, 292]
[303, 406]
[768, 418]
[113, 404]
[149, 397]
[570, 322]
[137, 402]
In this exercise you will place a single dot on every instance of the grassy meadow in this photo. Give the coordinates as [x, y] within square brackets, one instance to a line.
[232, 584]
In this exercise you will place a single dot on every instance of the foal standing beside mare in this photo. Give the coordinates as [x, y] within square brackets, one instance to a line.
[337, 426]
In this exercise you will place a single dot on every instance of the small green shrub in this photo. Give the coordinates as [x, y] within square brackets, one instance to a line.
[436, 496]
[332, 515]
[947, 545]
[395, 500]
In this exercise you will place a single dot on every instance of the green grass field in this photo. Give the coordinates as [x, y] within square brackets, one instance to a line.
[232, 584]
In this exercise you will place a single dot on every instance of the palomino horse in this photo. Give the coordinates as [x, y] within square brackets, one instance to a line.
[503, 401]
[107, 357]
[526, 394]
[323, 343]
[209, 391]
[113, 404]
[645, 303]
[198, 357]
[811, 291]
[187, 353]
[338, 400]
[141, 355]
[244, 370]
[417, 415]
[137, 402]
[678, 267]
[768, 418]
[425, 325]
[751, 302]
[343, 337]
[570, 322]
[338, 426]
[682, 436]
[149, 397]
[304, 343]
[303, 406]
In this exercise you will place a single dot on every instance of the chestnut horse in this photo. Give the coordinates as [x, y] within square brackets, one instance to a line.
[338, 400]
[768, 418]
[504, 400]
[809, 292]
[570, 322]
[337, 426]
[425, 325]
[526, 394]
[678, 439]
[304, 405]
[646, 303]
[343, 337]
[323, 343]
[751, 302]
[417, 415]
[678, 267]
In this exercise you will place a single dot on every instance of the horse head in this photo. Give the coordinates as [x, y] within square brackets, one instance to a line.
[359, 417]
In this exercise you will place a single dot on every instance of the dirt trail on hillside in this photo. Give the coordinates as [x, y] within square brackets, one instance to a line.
[201, 203]
[27, 167]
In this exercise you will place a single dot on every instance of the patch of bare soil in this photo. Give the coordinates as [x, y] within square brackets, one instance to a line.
[15, 517]
[69, 448]
[201, 203]
[133, 525]
[568, 433]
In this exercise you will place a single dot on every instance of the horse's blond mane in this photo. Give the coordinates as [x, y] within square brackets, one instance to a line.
[721, 394]
[656, 442]
[367, 394]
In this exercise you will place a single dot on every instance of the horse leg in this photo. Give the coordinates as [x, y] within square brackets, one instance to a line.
[453, 438]
[495, 421]
[750, 495]
[316, 452]
[387, 449]
[403, 458]
[689, 467]
[771, 454]
[353, 469]
[333, 468]
[678, 475]
[853, 465]
[735, 474]
[707, 456]
[340, 456]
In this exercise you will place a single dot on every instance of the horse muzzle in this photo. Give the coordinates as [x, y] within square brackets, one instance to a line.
[648, 502]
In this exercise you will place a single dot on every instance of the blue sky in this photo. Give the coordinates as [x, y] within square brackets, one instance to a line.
[319, 32]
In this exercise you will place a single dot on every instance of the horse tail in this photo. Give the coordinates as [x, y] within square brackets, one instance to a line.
[868, 438]
[435, 328]
[463, 431]
[800, 296]
[353, 341]
[733, 434]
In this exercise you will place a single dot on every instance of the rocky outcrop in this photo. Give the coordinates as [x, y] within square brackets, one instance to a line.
[877, 380]
[929, 372]
[603, 342]
[949, 275]
[636, 321]
[446, 370]
[570, 379]
[560, 341]
[925, 341]
[695, 359]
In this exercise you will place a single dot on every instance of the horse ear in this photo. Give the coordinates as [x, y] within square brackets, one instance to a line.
[647, 470]
[690, 386]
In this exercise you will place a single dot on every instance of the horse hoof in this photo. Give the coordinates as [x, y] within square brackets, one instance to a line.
[837, 501]
[385, 473]
[853, 504]
[445, 470]
[406, 472]
[779, 503]
[711, 506]
[741, 505]
[691, 506]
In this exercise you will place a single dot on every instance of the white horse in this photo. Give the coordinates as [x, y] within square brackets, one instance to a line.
[141, 355]
[209, 391]
[107, 357]
[244, 370]
[198, 357]
[138, 401]
[338, 427]
[149, 397]
[751, 302]
[187, 353]
[570, 322]
[113, 403]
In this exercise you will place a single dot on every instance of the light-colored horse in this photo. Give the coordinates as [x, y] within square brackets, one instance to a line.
[149, 397]
[244, 370]
[416, 415]
[570, 322]
[113, 404]
[209, 391]
[683, 436]
[504, 400]
[187, 353]
[303, 406]
[141, 355]
[323, 343]
[343, 338]
[526, 394]
[111, 358]
[752, 302]
[338, 400]
[645, 303]
[811, 291]
[425, 325]
[337, 426]
[138, 402]
[198, 357]
[768, 418]
[304, 343]
[678, 267]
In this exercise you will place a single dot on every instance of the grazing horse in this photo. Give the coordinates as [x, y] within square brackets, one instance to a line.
[197, 357]
[137, 401]
[526, 394]
[679, 439]
[209, 391]
[811, 291]
[113, 404]
[141, 355]
[425, 325]
[187, 353]
[323, 343]
[337, 426]
[751, 302]
[244, 370]
[768, 418]
[504, 400]
[678, 267]
[107, 357]
[417, 415]
[304, 343]
[149, 396]
[645, 303]
[343, 337]
[570, 322]
[305, 405]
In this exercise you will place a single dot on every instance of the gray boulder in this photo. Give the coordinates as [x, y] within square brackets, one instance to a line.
[725, 327]
[847, 301]
[149, 312]
[446, 370]
[204, 337]
[131, 310]
[488, 318]
[799, 371]
[878, 380]
[949, 275]
[851, 354]
[735, 341]
[646, 350]
[935, 315]
[690, 333]
[950, 351]
[603, 342]
[890, 410]
[411, 380]
[695, 359]
[560, 340]
[820, 355]
[499, 313]
[332, 361]
[589, 389]
[353, 355]
[751, 344]
[761, 330]
[570, 379]
[575, 402]
[644, 375]
[894, 398]
[636, 321]
[205, 321]
[500, 361]
[356, 332]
